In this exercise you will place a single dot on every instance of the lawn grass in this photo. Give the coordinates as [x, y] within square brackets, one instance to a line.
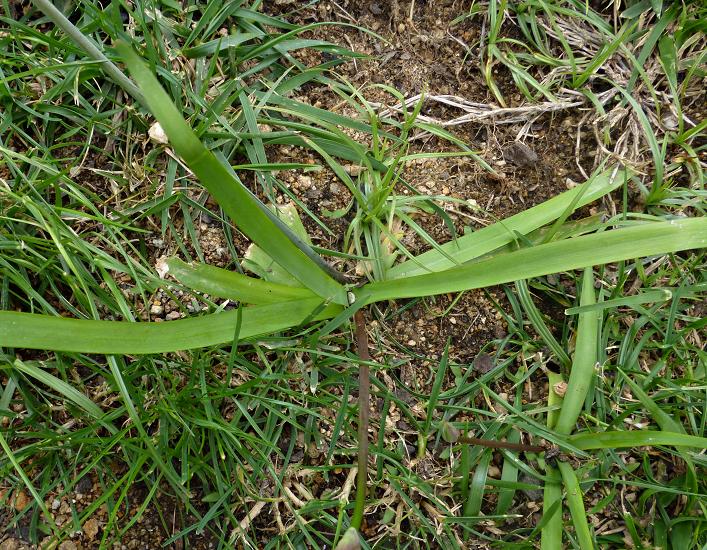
[256, 445]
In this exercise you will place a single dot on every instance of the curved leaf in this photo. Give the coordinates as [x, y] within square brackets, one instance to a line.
[235, 286]
[226, 189]
[584, 360]
[638, 438]
[599, 248]
[485, 240]
[29, 330]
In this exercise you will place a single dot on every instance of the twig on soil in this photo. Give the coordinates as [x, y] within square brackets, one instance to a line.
[250, 516]
[363, 404]
[483, 112]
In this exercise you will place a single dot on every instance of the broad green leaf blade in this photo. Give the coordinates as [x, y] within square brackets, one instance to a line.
[28, 330]
[258, 261]
[551, 533]
[596, 249]
[235, 286]
[477, 489]
[485, 240]
[584, 360]
[575, 502]
[636, 438]
[236, 201]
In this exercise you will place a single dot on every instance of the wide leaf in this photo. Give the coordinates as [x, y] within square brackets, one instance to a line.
[29, 330]
[488, 239]
[647, 239]
[226, 189]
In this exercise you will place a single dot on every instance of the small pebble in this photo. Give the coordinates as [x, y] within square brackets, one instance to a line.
[375, 8]
[353, 169]
[483, 363]
[173, 315]
[520, 154]
[157, 309]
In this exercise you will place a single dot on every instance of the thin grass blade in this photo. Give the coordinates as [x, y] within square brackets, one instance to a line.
[649, 296]
[59, 386]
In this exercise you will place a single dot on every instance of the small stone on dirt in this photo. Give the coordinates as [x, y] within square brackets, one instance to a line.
[483, 363]
[21, 501]
[305, 182]
[375, 8]
[10, 544]
[68, 545]
[84, 485]
[520, 154]
[157, 309]
[157, 134]
[534, 495]
[90, 528]
[353, 169]
[313, 193]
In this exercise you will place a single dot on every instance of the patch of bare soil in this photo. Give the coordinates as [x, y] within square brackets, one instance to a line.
[149, 528]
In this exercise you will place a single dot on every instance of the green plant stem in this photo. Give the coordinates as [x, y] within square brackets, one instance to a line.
[551, 537]
[363, 404]
[90, 48]
[575, 501]
[585, 358]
